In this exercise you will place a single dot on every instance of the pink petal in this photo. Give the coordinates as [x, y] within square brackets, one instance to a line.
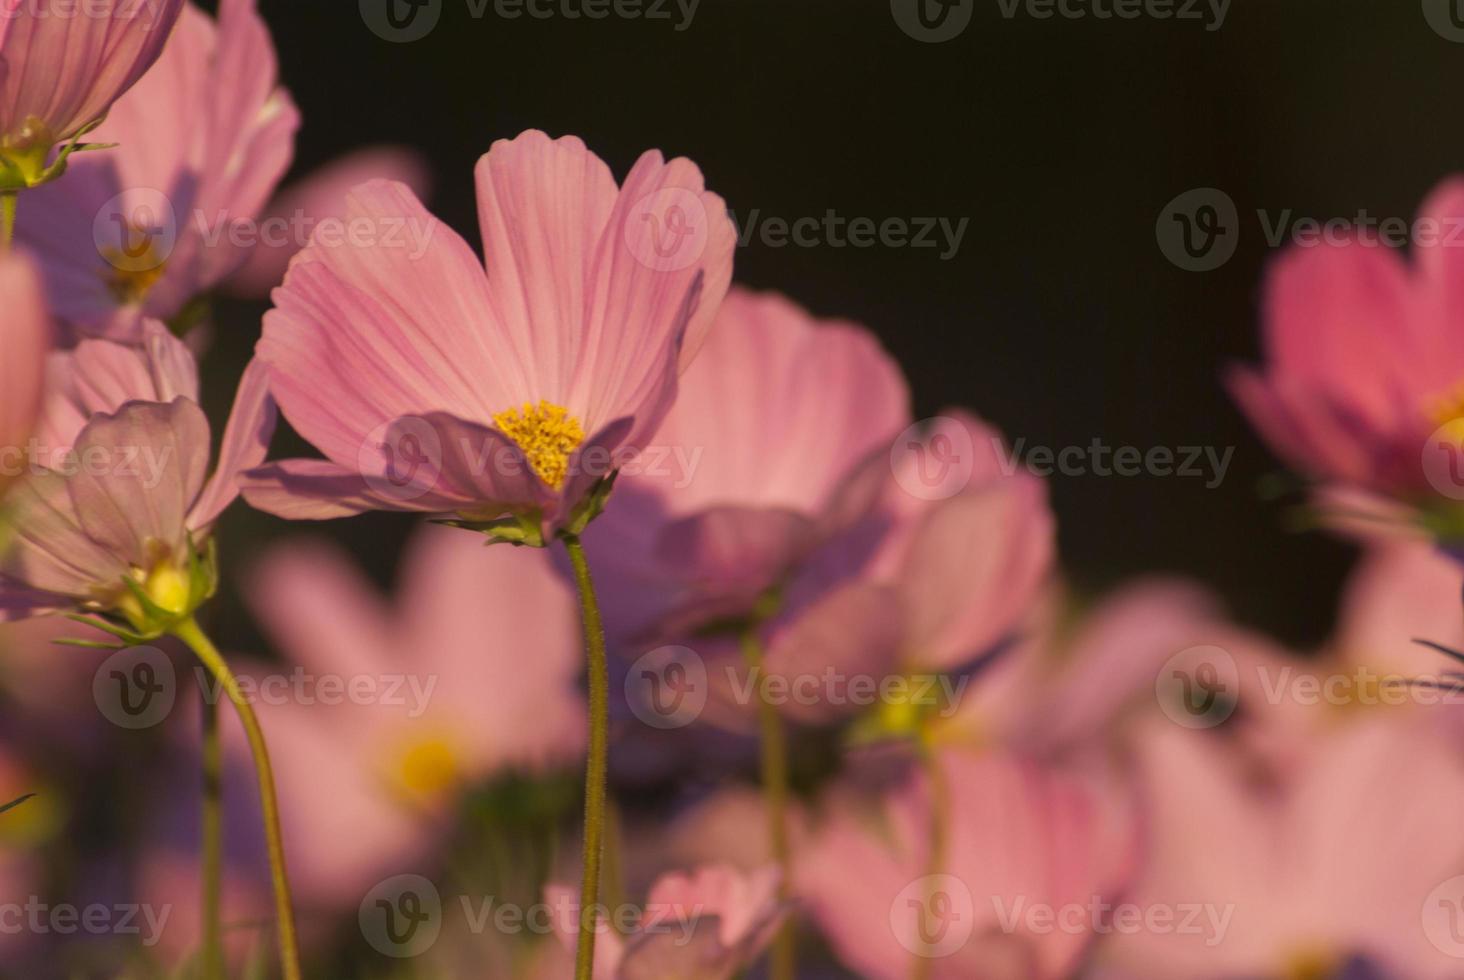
[155, 458]
[321, 196]
[25, 334]
[67, 70]
[246, 442]
[361, 335]
[52, 553]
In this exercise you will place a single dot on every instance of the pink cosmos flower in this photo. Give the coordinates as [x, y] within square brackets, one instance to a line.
[1022, 839]
[62, 64]
[422, 708]
[318, 199]
[706, 925]
[117, 495]
[25, 334]
[779, 434]
[1355, 859]
[1364, 363]
[502, 399]
[150, 226]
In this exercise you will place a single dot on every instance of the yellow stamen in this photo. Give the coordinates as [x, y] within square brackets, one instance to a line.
[136, 267]
[1312, 964]
[547, 434]
[426, 769]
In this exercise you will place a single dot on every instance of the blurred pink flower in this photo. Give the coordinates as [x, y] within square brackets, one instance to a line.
[25, 334]
[1356, 856]
[430, 387]
[706, 925]
[766, 456]
[318, 198]
[1024, 842]
[118, 489]
[1363, 386]
[62, 66]
[148, 227]
[366, 781]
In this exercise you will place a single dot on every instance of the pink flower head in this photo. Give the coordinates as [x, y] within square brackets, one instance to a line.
[117, 498]
[1363, 386]
[150, 226]
[25, 334]
[62, 65]
[706, 925]
[501, 398]
[472, 672]
[1022, 839]
[767, 455]
[951, 577]
[1353, 859]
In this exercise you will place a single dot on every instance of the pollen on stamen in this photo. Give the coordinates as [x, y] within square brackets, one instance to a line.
[134, 272]
[548, 436]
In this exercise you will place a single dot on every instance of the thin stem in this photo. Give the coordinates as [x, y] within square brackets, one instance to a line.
[773, 745]
[212, 840]
[8, 202]
[597, 764]
[189, 633]
[940, 811]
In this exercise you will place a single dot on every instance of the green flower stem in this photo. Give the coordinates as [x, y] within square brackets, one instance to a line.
[940, 813]
[8, 202]
[199, 643]
[597, 764]
[212, 841]
[774, 749]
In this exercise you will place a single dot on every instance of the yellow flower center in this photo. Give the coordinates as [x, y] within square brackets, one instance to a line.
[136, 267]
[1313, 964]
[1447, 408]
[166, 586]
[427, 768]
[547, 434]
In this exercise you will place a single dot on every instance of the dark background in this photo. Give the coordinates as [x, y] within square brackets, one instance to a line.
[1060, 319]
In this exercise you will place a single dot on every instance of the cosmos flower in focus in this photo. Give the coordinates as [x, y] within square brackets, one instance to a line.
[116, 506]
[149, 227]
[62, 65]
[25, 335]
[709, 924]
[501, 399]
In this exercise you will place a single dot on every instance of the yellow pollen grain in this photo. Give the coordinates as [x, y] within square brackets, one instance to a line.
[547, 434]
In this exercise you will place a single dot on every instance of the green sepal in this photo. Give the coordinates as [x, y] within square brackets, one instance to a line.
[128, 637]
[520, 530]
[591, 507]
